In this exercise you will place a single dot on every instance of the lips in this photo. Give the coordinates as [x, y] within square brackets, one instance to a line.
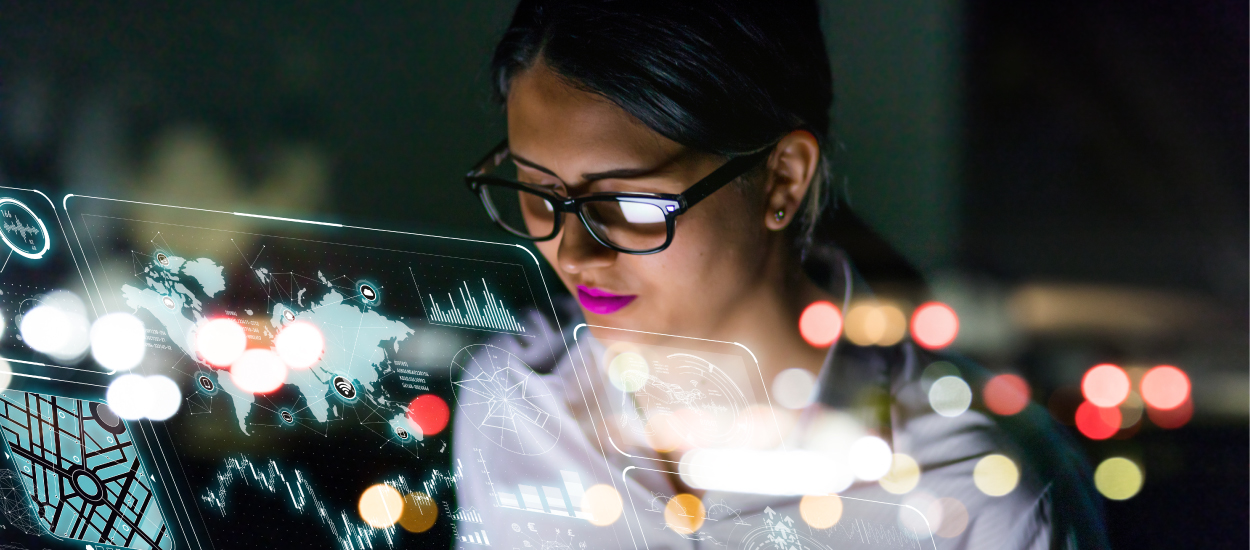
[602, 302]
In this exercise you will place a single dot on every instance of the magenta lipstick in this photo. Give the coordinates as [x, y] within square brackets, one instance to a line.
[602, 302]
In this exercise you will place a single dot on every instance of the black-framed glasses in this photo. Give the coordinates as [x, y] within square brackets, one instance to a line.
[633, 223]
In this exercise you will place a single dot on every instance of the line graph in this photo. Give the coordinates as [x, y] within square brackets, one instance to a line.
[493, 315]
[273, 479]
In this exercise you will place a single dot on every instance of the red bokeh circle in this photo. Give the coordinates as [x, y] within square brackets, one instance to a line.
[1105, 385]
[934, 325]
[820, 324]
[430, 413]
[1006, 394]
[1097, 422]
[1165, 387]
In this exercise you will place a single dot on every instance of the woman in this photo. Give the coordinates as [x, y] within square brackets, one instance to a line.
[670, 161]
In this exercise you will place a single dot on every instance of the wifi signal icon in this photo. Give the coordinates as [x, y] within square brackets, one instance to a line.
[344, 388]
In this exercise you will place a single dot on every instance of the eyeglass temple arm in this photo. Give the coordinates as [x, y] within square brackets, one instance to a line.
[723, 175]
[491, 158]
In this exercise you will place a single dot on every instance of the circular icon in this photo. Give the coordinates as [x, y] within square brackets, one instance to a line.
[106, 418]
[162, 258]
[22, 230]
[369, 293]
[86, 484]
[169, 302]
[344, 388]
[206, 383]
[288, 315]
[287, 416]
[402, 433]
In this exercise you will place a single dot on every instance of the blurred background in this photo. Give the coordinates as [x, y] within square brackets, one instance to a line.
[1071, 177]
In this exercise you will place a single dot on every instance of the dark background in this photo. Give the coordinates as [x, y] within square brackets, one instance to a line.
[1071, 176]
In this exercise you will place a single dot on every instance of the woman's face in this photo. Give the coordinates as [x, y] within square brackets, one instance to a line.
[584, 143]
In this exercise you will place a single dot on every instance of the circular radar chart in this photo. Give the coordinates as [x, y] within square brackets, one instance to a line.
[505, 400]
[22, 230]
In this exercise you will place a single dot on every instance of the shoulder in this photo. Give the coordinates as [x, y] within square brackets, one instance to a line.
[1020, 475]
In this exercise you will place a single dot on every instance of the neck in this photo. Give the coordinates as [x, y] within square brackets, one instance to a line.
[766, 320]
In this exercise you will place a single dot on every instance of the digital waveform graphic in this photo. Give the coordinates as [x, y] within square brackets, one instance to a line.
[271, 478]
[21, 229]
[439, 480]
[494, 315]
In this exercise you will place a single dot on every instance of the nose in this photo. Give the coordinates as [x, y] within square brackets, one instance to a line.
[579, 251]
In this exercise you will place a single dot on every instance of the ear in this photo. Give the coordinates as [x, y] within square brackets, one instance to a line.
[791, 170]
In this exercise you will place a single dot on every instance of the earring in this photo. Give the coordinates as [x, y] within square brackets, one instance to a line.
[780, 215]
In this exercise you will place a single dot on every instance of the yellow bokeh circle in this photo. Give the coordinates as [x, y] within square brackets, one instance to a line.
[419, 513]
[996, 475]
[903, 476]
[684, 514]
[1118, 478]
[381, 506]
[821, 511]
[603, 503]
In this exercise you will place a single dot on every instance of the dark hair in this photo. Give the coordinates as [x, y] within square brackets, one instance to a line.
[721, 76]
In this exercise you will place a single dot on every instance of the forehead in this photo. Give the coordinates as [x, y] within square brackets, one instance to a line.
[572, 131]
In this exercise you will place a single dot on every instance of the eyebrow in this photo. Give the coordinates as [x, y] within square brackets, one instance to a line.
[617, 173]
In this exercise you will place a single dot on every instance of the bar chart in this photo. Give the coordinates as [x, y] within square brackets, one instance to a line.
[476, 537]
[490, 314]
[557, 501]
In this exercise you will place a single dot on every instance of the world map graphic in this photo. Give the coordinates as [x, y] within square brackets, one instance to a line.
[355, 334]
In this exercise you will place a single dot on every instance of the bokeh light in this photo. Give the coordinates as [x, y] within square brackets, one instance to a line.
[258, 371]
[118, 341]
[221, 341]
[1118, 478]
[950, 396]
[794, 388]
[820, 324]
[821, 511]
[164, 398]
[934, 325]
[1006, 394]
[996, 475]
[684, 514]
[1105, 385]
[870, 458]
[895, 325]
[58, 327]
[429, 412]
[1097, 422]
[628, 371]
[42, 329]
[954, 517]
[133, 397]
[875, 324]
[1172, 418]
[128, 396]
[1131, 411]
[300, 345]
[419, 513]
[603, 503]
[381, 506]
[1165, 387]
[918, 514]
[903, 476]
